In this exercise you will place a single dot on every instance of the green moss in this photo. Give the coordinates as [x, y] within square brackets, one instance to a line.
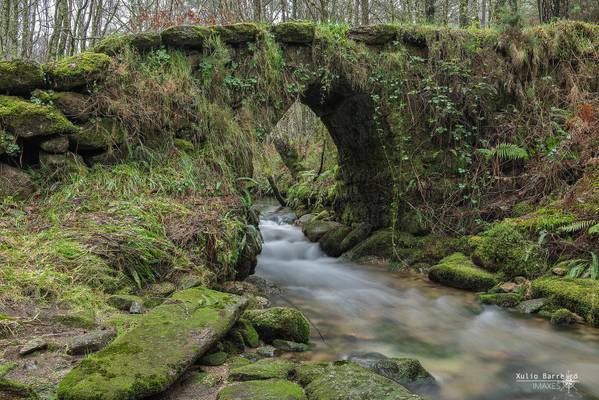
[238, 361]
[247, 333]
[349, 381]
[77, 319]
[5, 368]
[115, 44]
[330, 243]
[545, 219]
[98, 134]
[379, 244]
[374, 34]
[505, 249]
[280, 323]
[20, 77]
[243, 32]
[269, 368]
[25, 119]
[287, 345]
[184, 145]
[150, 357]
[77, 71]
[501, 299]
[459, 271]
[194, 37]
[15, 390]
[123, 302]
[563, 317]
[578, 295]
[214, 359]
[274, 389]
[307, 372]
[294, 32]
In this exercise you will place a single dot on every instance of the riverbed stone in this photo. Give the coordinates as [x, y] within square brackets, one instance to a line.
[272, 389]
[90, 342]
[330, 242]
[349, 381]
[459, 271]
[288, 345]
[378, 245]
[268, 368]
[358, 234]
[405, 371]
[531, 306]
[304, 219]
[149, 358]
[316, 229]
[266, 351]
[563, 317]
[501, 299]
[280, 323]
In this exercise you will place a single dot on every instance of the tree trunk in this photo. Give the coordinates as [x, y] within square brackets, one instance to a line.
[365, 12]
[429, 11]
[463, 13]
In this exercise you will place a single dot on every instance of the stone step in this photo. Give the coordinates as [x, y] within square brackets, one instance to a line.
[148, 359]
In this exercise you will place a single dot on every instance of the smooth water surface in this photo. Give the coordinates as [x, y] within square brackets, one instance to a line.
[474, 352]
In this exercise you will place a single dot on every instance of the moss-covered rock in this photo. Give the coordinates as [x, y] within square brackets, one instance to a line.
[316, 229]
[578, 295]
[99, 134]
[268, 368]
[243, 32]
[76, 319]
[246, 331]
[288, 345]
[15, 182]
[123, 302]
[150, 357]
[67, 162]
[143, 41]
[25, 119]
[11, 390]
[214, 359]
[20, 77]
[504, 248]
[77, 71]
[294, 32]
[5, 368]
[373, 34]
[358, 234]
[186, 36]
[273, 389]
[405, 371]
[563, 317]
[330, 242]
[459, 271]
[501, 299]
[55, 145]
[379, 245]
[280, 323]
[349, 381]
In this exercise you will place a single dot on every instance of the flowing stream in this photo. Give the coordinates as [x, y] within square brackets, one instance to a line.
[474, 352]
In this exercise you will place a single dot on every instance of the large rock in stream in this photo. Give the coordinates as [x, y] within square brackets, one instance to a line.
[148, 359]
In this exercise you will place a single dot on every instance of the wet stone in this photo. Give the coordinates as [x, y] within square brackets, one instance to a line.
[32, 346]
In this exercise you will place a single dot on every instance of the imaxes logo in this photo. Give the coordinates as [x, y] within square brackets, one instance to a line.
[549, 380]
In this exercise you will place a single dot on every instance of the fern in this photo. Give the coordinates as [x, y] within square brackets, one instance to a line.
[593, 230]
[577, 270]
[594, 266]
[510, 152]
[576, 226]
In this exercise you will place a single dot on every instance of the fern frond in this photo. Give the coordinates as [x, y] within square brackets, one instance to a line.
[594, 266]
[510, 152]
[576, 226]
[593, 230]
[577, 270]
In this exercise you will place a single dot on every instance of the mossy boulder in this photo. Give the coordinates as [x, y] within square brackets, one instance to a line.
[149, 358]
[67, 162]
[75, 106]
[348, 381]
[373, 34]
[77, 71]
[316, 229]
[378, 245]
[280, 323]
[99, 134]
[115, 44]
[246, 331]
[20, 77]
[578, 295]
[358, 234]
[405, 371]
[25, 119]
[76, 319]
[214, 359]
[11, 390]
[15, 182]
[504, 248]
[563, 317]
[123, 302]
[272, 389]
[294, 32]
[501, 299]
[268, 368]
[288, 345]
[186, 36]
[330, 242]
[243, 32]
[55, 145]
[459, 271]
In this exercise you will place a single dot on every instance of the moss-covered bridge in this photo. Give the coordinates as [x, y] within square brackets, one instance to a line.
[358, 81]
